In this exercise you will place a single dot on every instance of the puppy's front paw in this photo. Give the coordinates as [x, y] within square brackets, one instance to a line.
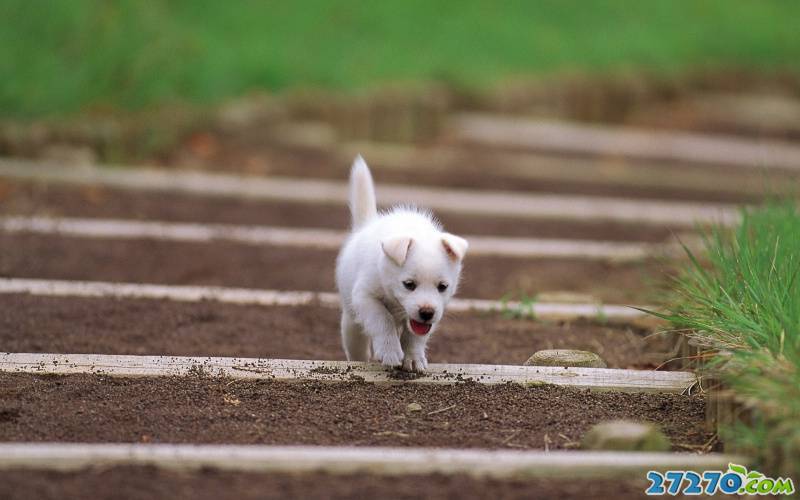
[415, 362]
[388, 353]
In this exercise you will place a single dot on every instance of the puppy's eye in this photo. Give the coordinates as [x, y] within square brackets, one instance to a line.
[442, 287]
[410, 285]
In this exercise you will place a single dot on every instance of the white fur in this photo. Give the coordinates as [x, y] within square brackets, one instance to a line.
[384, 251]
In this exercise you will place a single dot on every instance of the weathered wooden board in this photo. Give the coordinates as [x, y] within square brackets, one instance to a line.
[343, 460]
[574, 138]
[323, 238]
[602, 379]
[60, 288]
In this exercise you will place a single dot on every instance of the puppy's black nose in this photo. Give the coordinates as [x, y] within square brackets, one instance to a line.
[426, 313]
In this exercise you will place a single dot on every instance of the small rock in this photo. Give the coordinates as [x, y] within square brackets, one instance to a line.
[625, 435]
[566, 357]
[414, 407]
[229, 399]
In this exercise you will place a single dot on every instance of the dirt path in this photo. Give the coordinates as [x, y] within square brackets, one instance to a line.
[229, 264]
[205, 409]
[86, 408]
[102, 326]
[211, 484]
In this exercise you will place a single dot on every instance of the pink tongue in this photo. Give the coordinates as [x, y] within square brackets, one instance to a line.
[420, 328]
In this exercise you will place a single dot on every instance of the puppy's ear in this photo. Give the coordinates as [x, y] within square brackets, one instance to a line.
[455, 246]
[397, 247]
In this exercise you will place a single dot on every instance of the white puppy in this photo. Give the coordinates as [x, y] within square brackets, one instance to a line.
[395, 274]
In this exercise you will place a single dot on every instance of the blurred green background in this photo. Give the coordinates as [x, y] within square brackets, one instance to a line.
[62, 56]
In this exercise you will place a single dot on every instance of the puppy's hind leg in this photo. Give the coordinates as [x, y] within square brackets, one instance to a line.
[356, 344]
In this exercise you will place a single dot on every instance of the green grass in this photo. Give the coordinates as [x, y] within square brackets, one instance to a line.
[523, 309]
[744, 306]
[60, 56]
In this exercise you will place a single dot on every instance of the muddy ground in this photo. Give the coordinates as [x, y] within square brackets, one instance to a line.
[211, 484]
[25, 198]
[203, 409]
[156, 327]
[287, 268]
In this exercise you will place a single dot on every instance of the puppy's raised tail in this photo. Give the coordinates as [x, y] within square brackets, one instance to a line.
[363, 206]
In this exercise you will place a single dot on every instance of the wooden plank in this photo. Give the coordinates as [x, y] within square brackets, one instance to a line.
[60, 288]
[554, 168]
[478, 202]
[350, 460]
[322, 238]
[601, 379]
[629, 142]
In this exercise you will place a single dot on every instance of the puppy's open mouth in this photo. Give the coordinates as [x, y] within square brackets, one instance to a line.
[419, 328]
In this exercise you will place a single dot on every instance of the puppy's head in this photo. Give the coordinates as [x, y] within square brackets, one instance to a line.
[422, 273]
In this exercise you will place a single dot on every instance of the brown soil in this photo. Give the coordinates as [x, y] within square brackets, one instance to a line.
[44, 199]
[120, 483]
[154, 327]
[230, 264]
[203, 409]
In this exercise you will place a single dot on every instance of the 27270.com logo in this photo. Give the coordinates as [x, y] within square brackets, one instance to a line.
[735, 481]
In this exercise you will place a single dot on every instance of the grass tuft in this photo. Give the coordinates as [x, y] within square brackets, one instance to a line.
[742, 303]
